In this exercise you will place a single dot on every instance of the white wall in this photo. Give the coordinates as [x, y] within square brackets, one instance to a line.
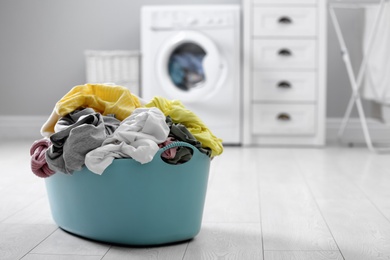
[42, 44]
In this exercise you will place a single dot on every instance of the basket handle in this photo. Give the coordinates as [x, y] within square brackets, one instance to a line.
[176, 144]
[195, 151]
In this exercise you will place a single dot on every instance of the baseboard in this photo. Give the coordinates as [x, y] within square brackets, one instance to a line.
[21, 127]
[353, 134]
[28, 127]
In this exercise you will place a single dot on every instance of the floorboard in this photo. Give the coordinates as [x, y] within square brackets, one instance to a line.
[302, 255]
[360, 230]
[168, 252]
[226, 241]
[63, 243]
[16, 240]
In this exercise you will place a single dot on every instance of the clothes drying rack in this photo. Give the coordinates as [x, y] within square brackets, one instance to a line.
[356, 81]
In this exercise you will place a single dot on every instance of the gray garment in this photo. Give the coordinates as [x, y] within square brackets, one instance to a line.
[110, 124]
[72, 118]
[181, 133]
[81, 132]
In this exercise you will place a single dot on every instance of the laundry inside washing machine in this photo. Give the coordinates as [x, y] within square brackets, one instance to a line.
[185, 66]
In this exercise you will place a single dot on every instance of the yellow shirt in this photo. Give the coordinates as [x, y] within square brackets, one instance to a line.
[105, 99]
[179, 114]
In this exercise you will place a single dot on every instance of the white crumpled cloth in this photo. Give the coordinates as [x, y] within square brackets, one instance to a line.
[136, 137]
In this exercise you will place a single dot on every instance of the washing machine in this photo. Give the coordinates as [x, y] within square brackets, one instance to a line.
[192, 54]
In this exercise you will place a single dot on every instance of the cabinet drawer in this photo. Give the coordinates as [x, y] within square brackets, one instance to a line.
[284, 54]
[282, 119]
[284, 86]
[284, 21]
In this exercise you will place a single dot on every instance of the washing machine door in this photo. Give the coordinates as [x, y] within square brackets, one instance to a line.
[190, 67]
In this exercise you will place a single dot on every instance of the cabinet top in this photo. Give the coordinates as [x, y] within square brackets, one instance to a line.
[284, 1]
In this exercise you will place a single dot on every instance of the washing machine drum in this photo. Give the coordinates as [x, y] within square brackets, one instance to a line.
[190, 67]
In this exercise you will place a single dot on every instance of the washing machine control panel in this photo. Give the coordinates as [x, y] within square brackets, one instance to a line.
[168, 20]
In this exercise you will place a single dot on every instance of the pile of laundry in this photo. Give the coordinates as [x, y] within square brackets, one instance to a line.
[93, 124]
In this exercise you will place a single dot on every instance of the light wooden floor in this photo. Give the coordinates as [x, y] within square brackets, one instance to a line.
[262, 203]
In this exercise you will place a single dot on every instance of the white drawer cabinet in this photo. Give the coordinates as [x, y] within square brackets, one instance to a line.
[284, 87]
[284, 72]
[284, 21]
[283, 119]
[287, 54]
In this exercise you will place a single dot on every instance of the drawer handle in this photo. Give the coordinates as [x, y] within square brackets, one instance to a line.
[285, 52]
[285, 20]
[284, 84]
[284, 117]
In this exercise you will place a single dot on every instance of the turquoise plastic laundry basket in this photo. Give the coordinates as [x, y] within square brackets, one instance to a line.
[132, 203]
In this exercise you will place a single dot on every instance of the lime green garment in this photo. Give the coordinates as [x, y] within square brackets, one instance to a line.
[179, 114]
